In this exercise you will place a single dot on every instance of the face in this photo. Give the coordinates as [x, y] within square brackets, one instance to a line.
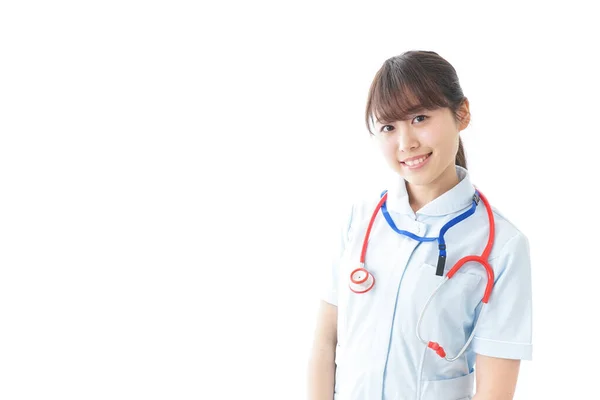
[423, 148]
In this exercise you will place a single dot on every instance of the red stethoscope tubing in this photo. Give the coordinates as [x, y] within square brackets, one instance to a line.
[482, 259]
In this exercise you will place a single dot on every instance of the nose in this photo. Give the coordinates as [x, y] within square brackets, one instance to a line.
[407, 141]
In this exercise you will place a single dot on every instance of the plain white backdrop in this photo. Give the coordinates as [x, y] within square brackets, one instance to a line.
[172, 176]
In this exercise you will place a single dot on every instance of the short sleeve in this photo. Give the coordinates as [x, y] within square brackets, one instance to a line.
[330, 281]
[505, 328]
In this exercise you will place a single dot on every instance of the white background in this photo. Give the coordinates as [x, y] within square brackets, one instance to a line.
[172, 176]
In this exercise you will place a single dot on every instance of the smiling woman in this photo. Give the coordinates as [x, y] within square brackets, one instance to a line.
[370, 338]
[416, 109]
[423, 147]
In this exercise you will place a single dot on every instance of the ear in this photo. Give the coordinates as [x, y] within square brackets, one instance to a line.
[464, 115]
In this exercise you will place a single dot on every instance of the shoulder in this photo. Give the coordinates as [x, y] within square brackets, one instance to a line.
[508, 235]
[361, 208]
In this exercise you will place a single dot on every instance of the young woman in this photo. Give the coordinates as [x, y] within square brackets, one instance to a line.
[380, 333]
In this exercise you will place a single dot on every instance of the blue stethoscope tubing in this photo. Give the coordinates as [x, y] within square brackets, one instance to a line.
[362, 281]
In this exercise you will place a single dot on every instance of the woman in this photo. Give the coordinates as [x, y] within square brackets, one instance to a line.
[379, 336]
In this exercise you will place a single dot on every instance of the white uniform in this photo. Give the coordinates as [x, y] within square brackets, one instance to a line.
[379, 355]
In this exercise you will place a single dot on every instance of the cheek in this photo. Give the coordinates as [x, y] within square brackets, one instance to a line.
[389, 150]
[430, 138]
[439, 139]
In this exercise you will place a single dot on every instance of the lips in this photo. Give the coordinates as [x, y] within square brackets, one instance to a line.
[415, 162]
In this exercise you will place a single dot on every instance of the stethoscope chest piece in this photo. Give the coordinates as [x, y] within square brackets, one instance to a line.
[361, 280]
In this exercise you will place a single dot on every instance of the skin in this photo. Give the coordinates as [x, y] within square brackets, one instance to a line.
[321, 368]
[434, 132]
[428, 131]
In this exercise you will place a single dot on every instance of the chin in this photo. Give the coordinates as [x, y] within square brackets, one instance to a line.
[418, 181]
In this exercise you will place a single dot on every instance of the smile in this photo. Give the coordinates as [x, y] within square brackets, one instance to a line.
[417, 162]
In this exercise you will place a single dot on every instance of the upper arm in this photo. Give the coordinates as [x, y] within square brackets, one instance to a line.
[326, 328]
[496, 378]
[331, 275]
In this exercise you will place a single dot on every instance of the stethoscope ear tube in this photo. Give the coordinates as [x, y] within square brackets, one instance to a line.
[434, 345]
[488, 269]
[483, 260]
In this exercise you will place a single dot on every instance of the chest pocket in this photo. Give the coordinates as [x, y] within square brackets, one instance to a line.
[449, 317]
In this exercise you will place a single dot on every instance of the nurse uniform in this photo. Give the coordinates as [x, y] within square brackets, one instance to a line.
[378, 355]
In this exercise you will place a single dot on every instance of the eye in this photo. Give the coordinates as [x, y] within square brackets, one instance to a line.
[387, 128]
[420, 118]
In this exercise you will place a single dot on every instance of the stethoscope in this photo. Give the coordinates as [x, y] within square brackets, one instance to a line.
[362, 281]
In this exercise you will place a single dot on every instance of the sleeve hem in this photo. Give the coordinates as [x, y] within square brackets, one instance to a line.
[499, 349]
[330, 298]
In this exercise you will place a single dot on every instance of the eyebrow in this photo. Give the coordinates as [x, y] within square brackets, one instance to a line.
[413, 112]
[409, 116]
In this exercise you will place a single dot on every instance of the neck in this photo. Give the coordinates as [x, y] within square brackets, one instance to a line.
[420, 195]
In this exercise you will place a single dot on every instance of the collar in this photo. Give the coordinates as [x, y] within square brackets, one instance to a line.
[456, 199]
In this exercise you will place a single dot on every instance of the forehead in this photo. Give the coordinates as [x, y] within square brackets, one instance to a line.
[398, 99]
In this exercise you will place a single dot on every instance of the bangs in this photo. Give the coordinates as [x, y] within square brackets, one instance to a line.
[398, 91]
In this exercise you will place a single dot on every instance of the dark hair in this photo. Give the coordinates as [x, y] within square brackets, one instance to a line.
[411, 81]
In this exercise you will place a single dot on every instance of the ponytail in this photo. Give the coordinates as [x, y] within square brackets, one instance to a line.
[461, 159]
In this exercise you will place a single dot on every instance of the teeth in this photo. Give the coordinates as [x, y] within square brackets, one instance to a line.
[415, 162]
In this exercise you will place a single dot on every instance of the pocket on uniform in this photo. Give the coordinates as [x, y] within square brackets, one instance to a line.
[460, 388]
[449, 313]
